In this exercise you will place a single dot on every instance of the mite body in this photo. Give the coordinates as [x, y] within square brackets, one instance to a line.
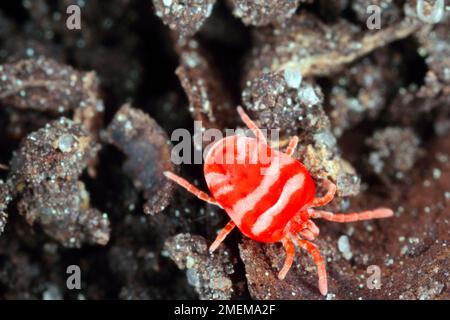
[269, 195]
[261, 195]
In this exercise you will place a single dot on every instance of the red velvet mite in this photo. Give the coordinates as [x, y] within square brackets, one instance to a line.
[269, 201]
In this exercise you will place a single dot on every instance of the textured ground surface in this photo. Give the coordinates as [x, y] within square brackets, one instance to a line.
[86, 116]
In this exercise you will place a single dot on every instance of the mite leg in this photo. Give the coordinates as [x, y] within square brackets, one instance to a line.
[221, 236]
[290, 252]
[352, 217]
[251, 125]
[309, 232]
[318, 260]
[292, 145]
[306, 234]
[313, 228]
[190, 187]
[331, 190]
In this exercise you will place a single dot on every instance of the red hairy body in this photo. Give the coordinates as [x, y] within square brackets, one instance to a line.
[269, 195]
[260, 196]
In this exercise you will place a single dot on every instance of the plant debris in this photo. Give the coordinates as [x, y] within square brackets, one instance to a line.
[317, 49]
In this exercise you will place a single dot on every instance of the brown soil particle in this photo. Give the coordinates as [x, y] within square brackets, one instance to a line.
[362, 91]
[28, 84]
[395, 151]
[209, 101]
[286, 102]
[44, 85]
[318, 49]
[260, 13]
[208, 273]
[45, 173]
[184, 17]
[147, 149]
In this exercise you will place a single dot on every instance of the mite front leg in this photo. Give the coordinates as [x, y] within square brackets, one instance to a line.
[331, 190]
[221, 236]
[306, 234]
[251, 125]
[292, 145]
[310, 230]
[190, 187]
[313, 228]
[352, 217]
[290, 253]
[318, 260]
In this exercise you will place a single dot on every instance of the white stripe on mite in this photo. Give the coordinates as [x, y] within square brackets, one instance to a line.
[264, 221]
[223, 190]
[272, 174]
[242, 151]
[214, 178]
[253, 155]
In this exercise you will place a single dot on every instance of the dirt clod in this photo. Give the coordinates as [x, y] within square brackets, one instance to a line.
[208, 273]
[147, 149]
[45, 174]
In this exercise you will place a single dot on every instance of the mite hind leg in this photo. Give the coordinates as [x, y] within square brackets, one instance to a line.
[352, 217]
[344, 217]
[318, 260]
[190, 187]
[290, 253]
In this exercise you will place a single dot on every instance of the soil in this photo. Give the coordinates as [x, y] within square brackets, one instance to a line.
[86, 118]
